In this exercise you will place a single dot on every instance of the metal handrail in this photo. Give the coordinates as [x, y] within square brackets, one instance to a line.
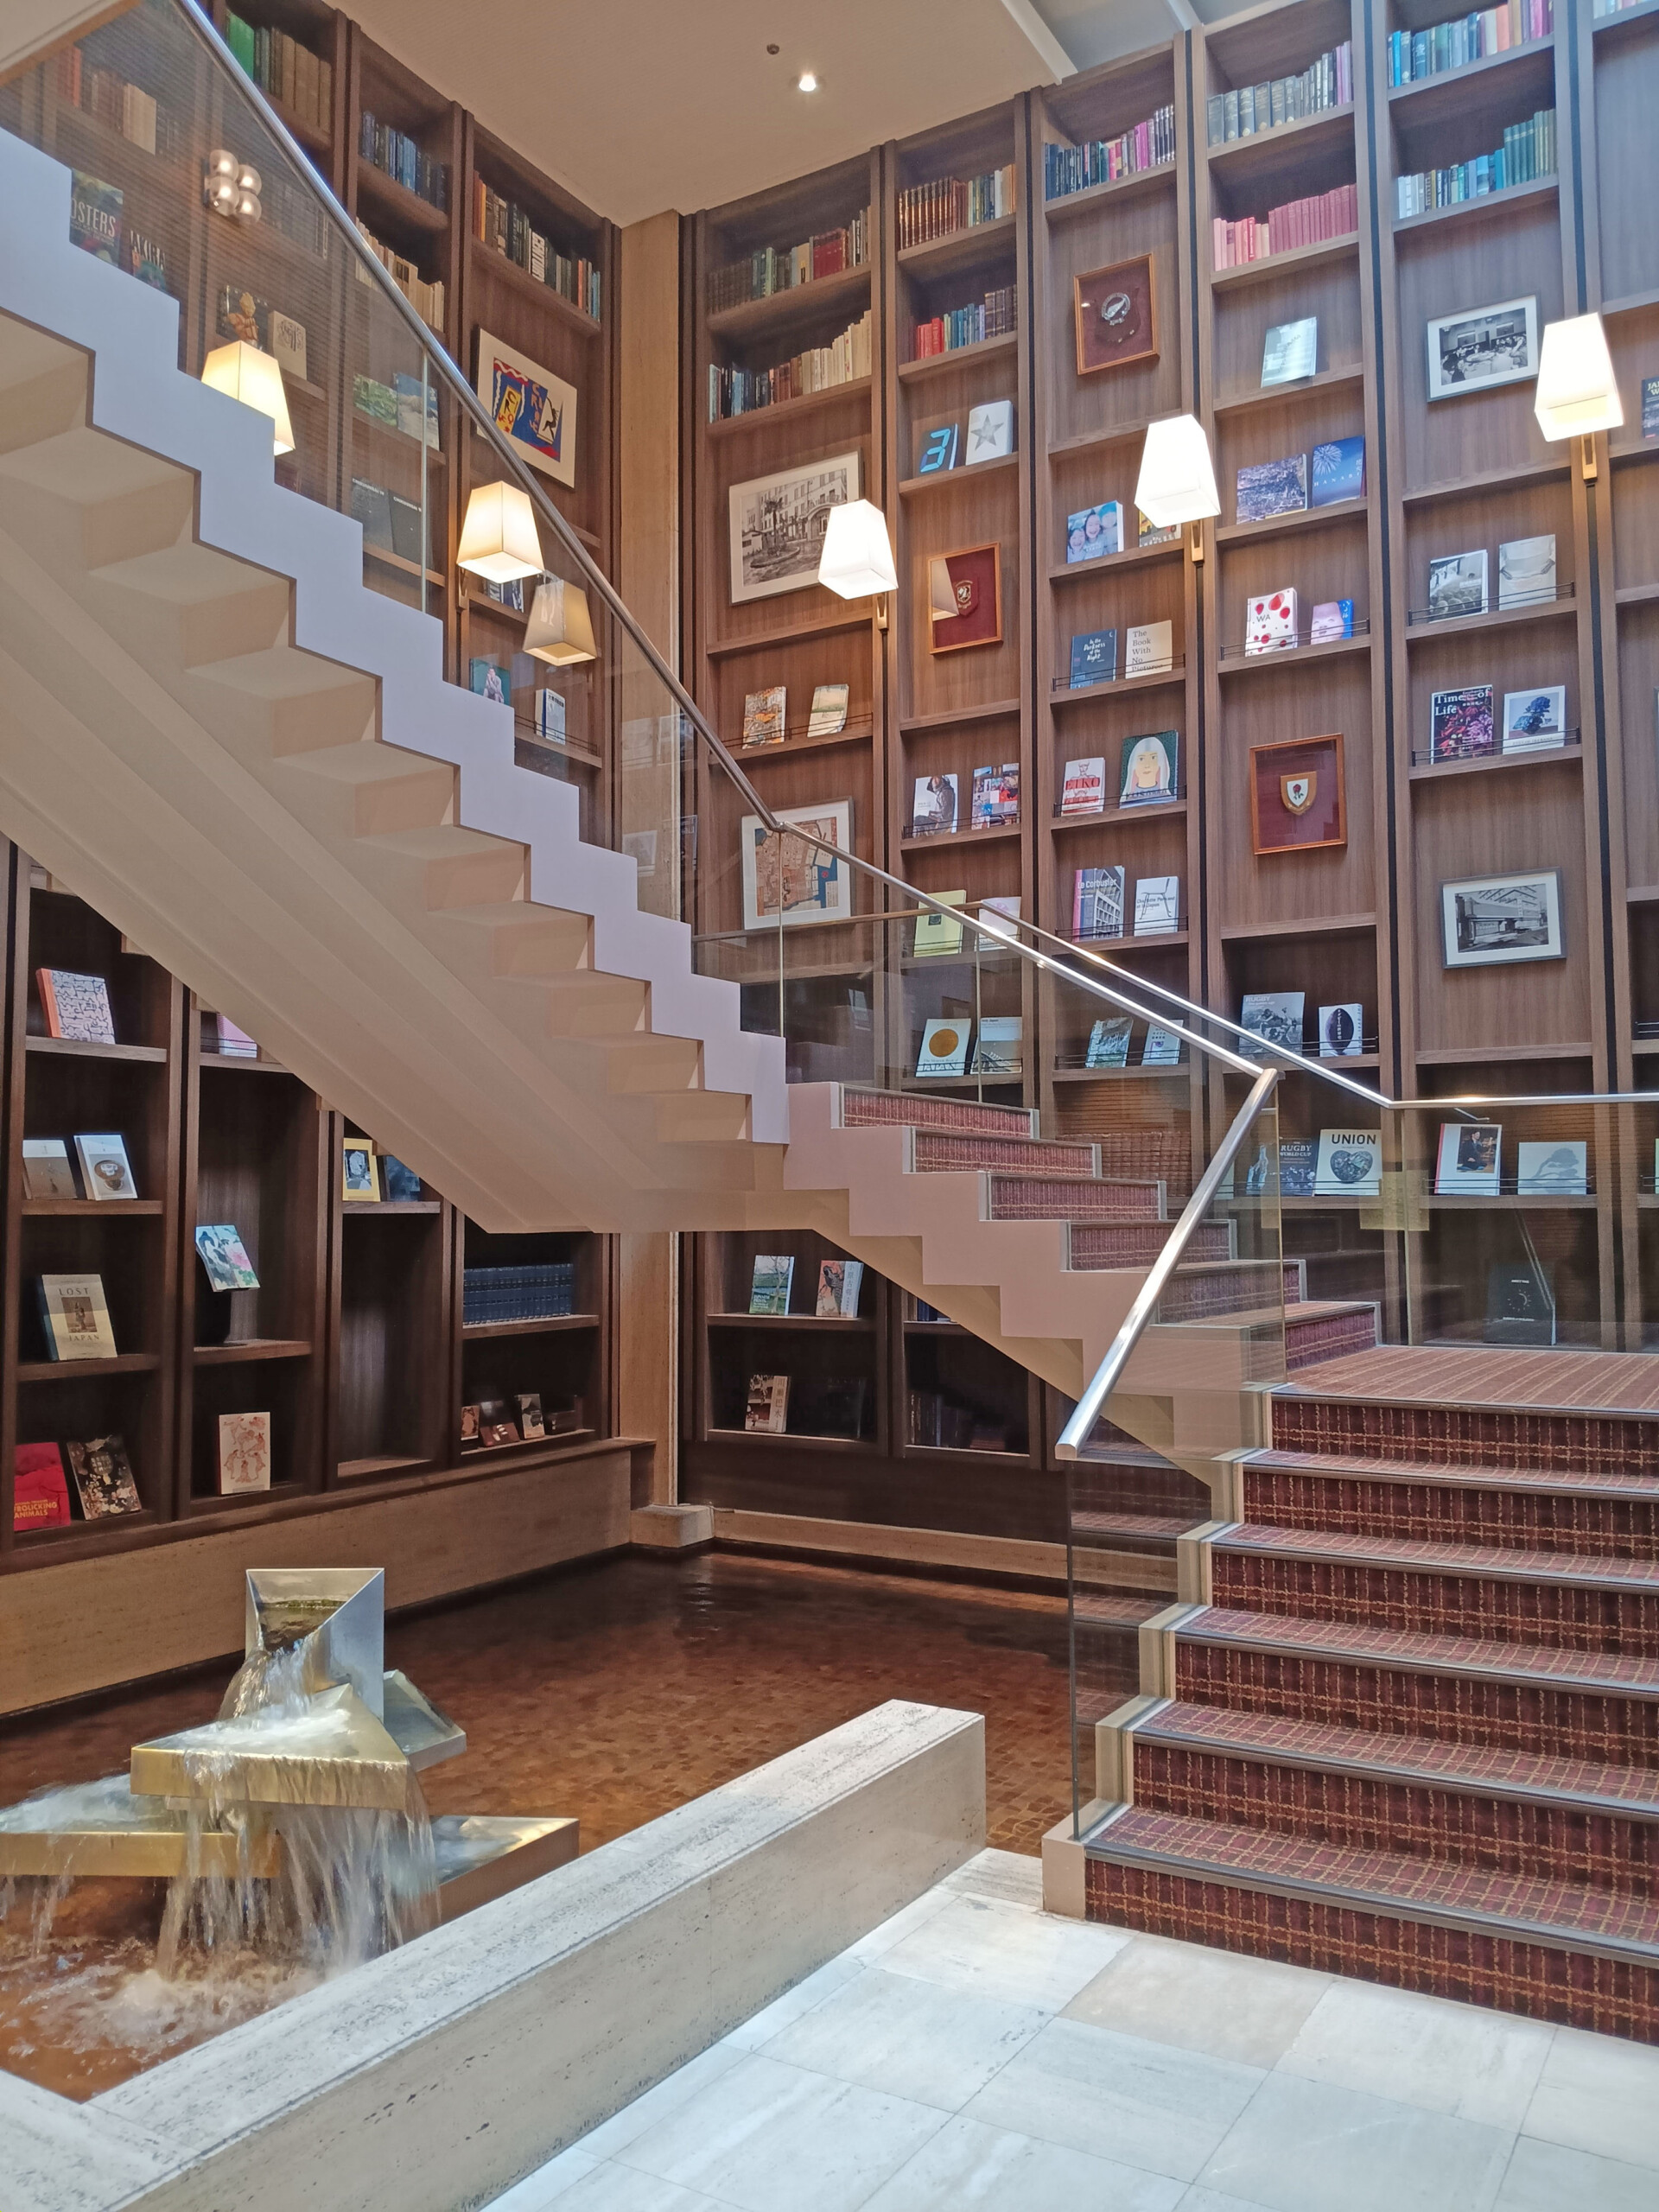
[1105, 1378]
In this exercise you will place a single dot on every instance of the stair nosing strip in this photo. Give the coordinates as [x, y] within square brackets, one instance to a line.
[1534, 1481]
[1563, 1570]
[1483, 1405]
[1497, 1670]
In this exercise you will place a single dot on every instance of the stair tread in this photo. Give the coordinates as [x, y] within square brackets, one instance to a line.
[1558, 1911]
[1431, 1472]
[1115, 1608]
[1428, 1758]
[1135, 1524]
[1457, 1558]
[1360, 1641]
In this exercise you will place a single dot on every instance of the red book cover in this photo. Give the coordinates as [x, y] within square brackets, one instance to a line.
[39, 1495]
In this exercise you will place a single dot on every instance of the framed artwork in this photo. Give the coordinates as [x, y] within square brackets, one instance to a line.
[777, 524]
[1479, 348]
[1487, 921]
[531, 405]
[964, 594]
[787, 881]
[1117, 315]
[1298, 798]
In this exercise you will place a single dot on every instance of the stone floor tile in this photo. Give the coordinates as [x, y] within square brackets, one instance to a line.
[909, 2038]
[1009, 1875]
[968, 2167]
[1250, 2009]
[611, 2187]
[761, 2026]
[1460, 2059]
[685, 2082]
[1199, 2199]
[1548, 2178]
[881, 1940]
[549, 2183]
[1599, 2094]
[1141, 2104]
[994, 1949]
[1307, 2146]
[767, 2136]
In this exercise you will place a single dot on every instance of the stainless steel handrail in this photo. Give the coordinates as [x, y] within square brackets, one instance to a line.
[1105, 1378]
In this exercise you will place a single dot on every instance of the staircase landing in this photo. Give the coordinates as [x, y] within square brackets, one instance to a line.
[1557, 1380]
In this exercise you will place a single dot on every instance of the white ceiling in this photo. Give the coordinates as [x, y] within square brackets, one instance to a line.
[641, 105]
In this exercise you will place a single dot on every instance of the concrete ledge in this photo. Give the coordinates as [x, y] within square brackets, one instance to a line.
[437, 2075]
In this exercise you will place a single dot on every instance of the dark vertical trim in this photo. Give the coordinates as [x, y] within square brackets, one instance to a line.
[1575, 140]
[1200, 747]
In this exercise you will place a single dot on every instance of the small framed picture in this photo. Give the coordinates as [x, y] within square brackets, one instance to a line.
[776, 525]
[531, 405]
[1480, 348]
[1117, 315]
[1298, 796]
[964, 594]
[788, 882]
[1534, 721]
[360, 1172]
[1487, 920]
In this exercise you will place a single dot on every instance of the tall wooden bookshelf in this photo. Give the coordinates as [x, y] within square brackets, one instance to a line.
[355, 1342]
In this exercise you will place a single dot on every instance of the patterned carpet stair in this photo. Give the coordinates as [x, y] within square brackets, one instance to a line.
[1404, 1723]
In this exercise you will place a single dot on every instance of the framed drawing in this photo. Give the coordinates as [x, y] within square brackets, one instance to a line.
[788, 882]
[1487, 921]
[777, 524]
[964, 598]
[531, 406]
[1298, 798]
[1117, 315]
[1479, 347]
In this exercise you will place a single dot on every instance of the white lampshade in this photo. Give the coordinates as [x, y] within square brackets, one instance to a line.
[559, 628]
[940, 592]
[1178, 479]
[1578, 392]
[256, 380]
[857, 557]
[498, 540]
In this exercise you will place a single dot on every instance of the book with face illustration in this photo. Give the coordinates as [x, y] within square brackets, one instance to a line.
[1147, 769]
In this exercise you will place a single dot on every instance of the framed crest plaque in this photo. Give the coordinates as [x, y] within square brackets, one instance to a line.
[1116, 314]
[964, 598]
[1298, 800]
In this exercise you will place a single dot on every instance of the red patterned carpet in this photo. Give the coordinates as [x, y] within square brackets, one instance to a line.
[1578, 1382]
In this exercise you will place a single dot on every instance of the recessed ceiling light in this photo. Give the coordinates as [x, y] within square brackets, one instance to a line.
[808, 82]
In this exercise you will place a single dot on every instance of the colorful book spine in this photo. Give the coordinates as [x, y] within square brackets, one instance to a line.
[1527, 153]
[506, 228]
[1298, 223]
[1147, 145]
[992, 317]
[780, 269]
[1325, 83]
[1463, 39]
[931, 211]
[742, 392]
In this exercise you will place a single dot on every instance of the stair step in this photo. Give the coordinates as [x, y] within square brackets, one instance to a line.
[916, 1111]
[1052, 1197]
[1526, 1508]
[1469, 1436]
[1159, 1526]
[939, 1150]
[1496, 1811]
[1601, 1706]
[1115, 1609]
[1519, 1943]
[1328, 1329]
[1137, 1244]
[1586, 1603]
[1197, 1289]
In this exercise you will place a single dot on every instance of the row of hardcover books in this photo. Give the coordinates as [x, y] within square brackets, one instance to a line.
[1326, 83]
[505, 226]
[933, 210]
[1527, 153]
[740, 392]
[1464, 38]
[1146, 145]
[992, 317]
[781, 268]
[298, 80]
[949, 1426]
[1333, 214]
[395, 154]
[540, 1293]
[426, 299]
[107, 95]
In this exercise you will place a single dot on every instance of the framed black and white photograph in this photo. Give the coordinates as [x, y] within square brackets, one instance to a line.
[1490, 919]
[1481, 348]
[777, 522]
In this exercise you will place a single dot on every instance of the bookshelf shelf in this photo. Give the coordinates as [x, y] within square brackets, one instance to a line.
[1443, 96]
[1341, 511]
[825, 295]
[1496, 618]
[960, 356]
[1424, 772]
[549, 1324]
[384, 558]
[1237, 661]
[1111, 564]
[381, 195]
[788, 412]
[1124, 818]
[491, 267]
[1247, 401]
[1309, 925]
[1479, 210]
[72, 1048]
[1309, 136]
[379, 1209]
[941, 479]
[841, 616]
[1123, 431]
[753, 756]
[958, 838]
[92, 1209]
[1527, 473]
[84, 1371]
[1085, 695]
[970, 248]
[257, 1348]
[850, 1323]
[991, 710]
[1626, 19]
[1075, 207]
[1294, 262]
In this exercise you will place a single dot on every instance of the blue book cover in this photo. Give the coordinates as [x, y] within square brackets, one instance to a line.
[1650, 407]
[1094, 657]
[1338, 471]
[1272, 487]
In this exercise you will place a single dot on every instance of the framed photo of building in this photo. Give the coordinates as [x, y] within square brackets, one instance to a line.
[1487, 921]
[534, 408]
[1116, 314]
[1479, 348]
[1299, 801]
[787, 881]
[777, 524]
[965, 599]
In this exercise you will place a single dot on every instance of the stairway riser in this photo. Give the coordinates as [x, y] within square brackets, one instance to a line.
[864, 1109]
[1333, 1336]
[1359, 1506]
[1138, 1244]
[1410, 1819]
[1572, 1988]
[945, 1152]
[1229, 1290]
[1429, 1604]
[1579, 1723]
[1464, 1436]
[1012, 1200]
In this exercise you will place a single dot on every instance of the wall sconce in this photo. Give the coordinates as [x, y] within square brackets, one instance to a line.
[561, 628]
[232, 187]
[256, 380]
[1577, 392]
[497, 539]
[857, 558]
[1176, 482]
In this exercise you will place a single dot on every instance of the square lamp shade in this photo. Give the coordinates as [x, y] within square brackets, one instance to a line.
[857, 557]
[497, 539]
[1178, 479]
[1578, 392]
[256, 380]
[559, 628]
